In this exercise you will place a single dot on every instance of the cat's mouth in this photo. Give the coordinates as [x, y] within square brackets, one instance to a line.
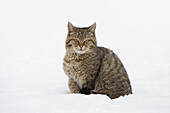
[80, 51]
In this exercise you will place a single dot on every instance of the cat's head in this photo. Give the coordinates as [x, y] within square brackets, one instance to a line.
[81, 40]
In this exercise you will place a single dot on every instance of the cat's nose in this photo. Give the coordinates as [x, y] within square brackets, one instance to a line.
[81, 45]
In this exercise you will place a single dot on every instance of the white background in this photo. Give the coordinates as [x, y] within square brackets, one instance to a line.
[32, 46]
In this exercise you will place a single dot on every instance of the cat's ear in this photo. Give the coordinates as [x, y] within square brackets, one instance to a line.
[92, 28]
[71, 27]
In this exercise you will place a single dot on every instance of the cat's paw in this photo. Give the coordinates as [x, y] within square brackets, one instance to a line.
[75, 91]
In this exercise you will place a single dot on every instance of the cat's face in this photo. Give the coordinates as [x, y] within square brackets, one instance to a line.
[81, 40]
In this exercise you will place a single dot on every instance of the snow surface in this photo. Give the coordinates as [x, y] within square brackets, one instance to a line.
[32, 37]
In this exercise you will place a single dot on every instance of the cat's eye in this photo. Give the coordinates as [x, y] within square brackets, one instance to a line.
[69, 45]
[75, 42]
[86, 41]
[91, 46]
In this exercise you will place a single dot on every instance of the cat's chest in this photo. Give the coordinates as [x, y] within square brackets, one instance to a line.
[71, 65]
[74, 69]
[75, 66]
[78, 67]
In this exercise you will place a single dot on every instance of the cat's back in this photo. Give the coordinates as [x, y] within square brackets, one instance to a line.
[112, 79]
[104, 52]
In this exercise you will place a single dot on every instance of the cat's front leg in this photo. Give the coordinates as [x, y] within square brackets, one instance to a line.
[74, 88]
[86, 84]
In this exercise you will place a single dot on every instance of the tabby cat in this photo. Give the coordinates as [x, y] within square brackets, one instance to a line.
[93, 69]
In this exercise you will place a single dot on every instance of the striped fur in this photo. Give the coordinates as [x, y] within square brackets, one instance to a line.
[93, 69]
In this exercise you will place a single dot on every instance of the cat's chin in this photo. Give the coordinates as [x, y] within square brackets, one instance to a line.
[80, 52]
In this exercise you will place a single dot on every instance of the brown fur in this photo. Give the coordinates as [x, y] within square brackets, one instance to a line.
[93, 69]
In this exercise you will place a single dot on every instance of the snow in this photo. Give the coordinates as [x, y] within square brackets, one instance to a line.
[32, 38]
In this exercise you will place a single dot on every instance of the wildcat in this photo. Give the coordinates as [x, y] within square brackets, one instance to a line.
[93, 69]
